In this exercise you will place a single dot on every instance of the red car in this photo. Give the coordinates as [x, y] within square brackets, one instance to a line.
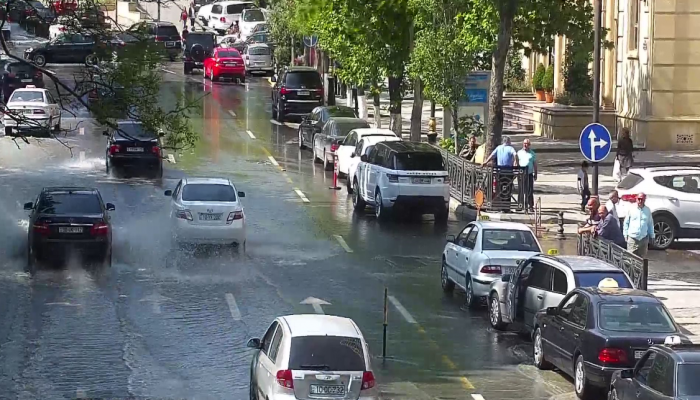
[225, 62]
[62, 7]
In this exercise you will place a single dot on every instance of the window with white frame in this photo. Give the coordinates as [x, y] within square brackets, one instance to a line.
[633, 28]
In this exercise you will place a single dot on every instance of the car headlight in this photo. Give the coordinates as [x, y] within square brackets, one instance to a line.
[29, 50]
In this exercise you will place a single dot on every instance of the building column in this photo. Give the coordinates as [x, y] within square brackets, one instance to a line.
[609, 55]
[559, 49]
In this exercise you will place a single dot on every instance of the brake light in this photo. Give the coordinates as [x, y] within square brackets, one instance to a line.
[334, 147]
[222, 19]
[99, 229]
[491, 269]
[161, 38]
[155, 150]
[184, 214]
[41, 228]
[630, 198]
[234, 216]
[368, 380]
[392, 178]
[284, 378]
[39, 111]
[283, 90]
[115, 148]
[612, 356]
[11, 75]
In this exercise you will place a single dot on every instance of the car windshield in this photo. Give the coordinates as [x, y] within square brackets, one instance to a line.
[326, 353]
[342, 112]
[635, 317]
[59, 203]
[513, 240]
[208, 192]
[259, 51]
[688, 382]
[229, 54]
[419, 161]
[253, 16]
[593, 279]
[344, 127]
[135, 131]
[167, 30]
[305, 80]
[28, 95]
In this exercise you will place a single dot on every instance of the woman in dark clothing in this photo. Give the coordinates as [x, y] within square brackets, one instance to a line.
[625, 149]
[469, 150]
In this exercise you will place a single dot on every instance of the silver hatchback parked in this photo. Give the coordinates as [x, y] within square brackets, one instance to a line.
[310, 357]
[258, 58]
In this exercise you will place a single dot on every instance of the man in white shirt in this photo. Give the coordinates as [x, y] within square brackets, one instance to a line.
[611, 205]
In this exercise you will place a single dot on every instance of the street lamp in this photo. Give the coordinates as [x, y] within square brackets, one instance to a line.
[597, 22]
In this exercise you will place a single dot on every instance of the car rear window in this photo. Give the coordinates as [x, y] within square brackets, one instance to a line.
[60, 203]
[326, 353]
[237, 8]
[593, 279]
[253, 16]
[27, 95]
[635, 317]
[417, 161]
[205, 39]
[135, 131]
[167, 30]
[502, 239]
[208, 192]
[688, 382]
[342, 112]
[307, 80]
[229, 54]
[259, 51]
[344, 127]
[19, 68]
[630, 181]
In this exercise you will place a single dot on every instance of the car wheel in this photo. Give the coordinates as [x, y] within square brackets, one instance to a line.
[470, 300]
[57, 127]
[381, 212]
[442, 215]
[90, 59]
[40, 60]
[447, 285]
[581, 385]
[538, 351]
[612, 394]
[205, 74]
[280, 113]
[665, 231]
[187, 70]
[242, 79]
[358, 203]
[301, 140]
[8, 131]
[494, 308]
[107, 166]
[253, 394]
[107, 261]
[348, 187]
[274, 113]
[325, 161]
[31, 261]
[212, 77]
[316, 159]
[159, 172]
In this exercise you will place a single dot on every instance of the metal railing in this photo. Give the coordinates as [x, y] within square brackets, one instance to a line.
[636, 267]
[503, 188]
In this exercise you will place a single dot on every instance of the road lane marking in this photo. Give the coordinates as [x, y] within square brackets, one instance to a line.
[168, 71]
[82, 156]
[250, 134]
[402, 310]
[233, 307]
[302, 196]
[477, 397]
[233, 114]
[273, 161]
[285, 177]
[343, 244]
[171, 158]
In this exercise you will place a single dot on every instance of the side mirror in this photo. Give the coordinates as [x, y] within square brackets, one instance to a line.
[627, 374]
[254, 343]
[352, 155]
[110, 207]
[105, 132]
[363, 158]
[273, 79]
[29, 206]
[168, 193]
[552, 311]
[450, 238]
[505, 278]
[241, 194]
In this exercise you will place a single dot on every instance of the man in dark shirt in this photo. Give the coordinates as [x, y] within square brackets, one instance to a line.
[593, 218]
[608, 228]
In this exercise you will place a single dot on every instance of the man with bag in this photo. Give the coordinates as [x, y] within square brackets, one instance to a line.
[624, 157]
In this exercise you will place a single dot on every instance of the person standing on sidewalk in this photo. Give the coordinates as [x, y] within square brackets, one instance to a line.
[639, 228]
[528, 160]
[625, 149]
[582, 185]
[608, 228]
[469, 150]
[506, 160]
[183, 17]
[611, 205]
[191, 15]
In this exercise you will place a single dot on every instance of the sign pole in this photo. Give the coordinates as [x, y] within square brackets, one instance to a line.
[597, 18]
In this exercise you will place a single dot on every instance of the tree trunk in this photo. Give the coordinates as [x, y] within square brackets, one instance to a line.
[377, 112]
[362, 101]
[417, 111]
[505, 33]
[395, 123]
[455, 125]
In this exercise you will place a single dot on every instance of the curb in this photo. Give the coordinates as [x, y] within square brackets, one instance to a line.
[466, 213]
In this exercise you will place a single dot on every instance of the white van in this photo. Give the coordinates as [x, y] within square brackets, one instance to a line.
[224, 13]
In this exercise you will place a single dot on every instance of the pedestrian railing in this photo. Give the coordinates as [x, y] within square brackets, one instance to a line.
[503, 188]
[636, 267]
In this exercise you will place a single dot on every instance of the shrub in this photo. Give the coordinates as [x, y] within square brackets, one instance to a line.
[548, 80]
[538, 77]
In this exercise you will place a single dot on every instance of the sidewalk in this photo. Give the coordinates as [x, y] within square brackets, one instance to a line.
[680, 298]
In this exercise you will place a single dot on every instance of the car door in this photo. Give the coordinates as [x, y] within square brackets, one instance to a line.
[466, 252]
[367, 171]
[537, 286]
[654, 379]
[453, 253]
[53, 105]
[515, 291]
[377, 169]
[174, 202]
[265, 372]
[347, 147]
[687, 199]
[321, 138]
[566, 330]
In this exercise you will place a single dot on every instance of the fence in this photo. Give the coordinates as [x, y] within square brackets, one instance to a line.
[636, 267]
[503, 188]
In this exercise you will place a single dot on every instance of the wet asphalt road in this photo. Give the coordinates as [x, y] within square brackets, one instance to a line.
[161, 323]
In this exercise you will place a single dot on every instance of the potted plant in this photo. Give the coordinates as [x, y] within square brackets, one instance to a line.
[548, 84]
[537, 82]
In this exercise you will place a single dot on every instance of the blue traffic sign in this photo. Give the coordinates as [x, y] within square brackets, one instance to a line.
[595, 142]
[310, 41]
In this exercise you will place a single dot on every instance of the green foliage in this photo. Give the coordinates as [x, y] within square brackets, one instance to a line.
[573, 99]
[447, 144]
[548, 80]
[284, 31]
[514, 78]
[538, 77]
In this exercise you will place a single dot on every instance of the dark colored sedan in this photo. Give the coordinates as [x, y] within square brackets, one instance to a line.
[66, 221]
[17, 75]
[313, 123]
[134, 146]
[595, 332]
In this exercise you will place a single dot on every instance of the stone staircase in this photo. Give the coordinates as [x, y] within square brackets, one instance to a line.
[517, 115]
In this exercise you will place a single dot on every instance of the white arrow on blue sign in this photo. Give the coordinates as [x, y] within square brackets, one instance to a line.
[310, 41]
[595, 142]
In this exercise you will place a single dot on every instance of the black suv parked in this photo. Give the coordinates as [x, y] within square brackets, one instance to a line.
[296, 93]
[163, 33]
[198, 47]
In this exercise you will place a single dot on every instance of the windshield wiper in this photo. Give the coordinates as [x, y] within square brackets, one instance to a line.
[319, 367]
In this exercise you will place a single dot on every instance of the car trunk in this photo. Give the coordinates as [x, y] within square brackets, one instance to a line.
[137, 147]
[22, 73]
[210, 213]
[71, 227]
[260, 57]
[508, 260]
[303, 86]
[168, 35]
[633, 344]
[337, 384]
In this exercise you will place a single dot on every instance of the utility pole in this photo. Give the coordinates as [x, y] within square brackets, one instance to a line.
[597, 22]
[158, 2]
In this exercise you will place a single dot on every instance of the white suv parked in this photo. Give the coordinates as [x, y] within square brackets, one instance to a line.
[402, 174]
[672, 196]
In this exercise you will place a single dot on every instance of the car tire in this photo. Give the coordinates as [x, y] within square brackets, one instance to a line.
[274, 113]
[301, 140]
[447, 285]
[159, 172]
[382, 213]
[90, 60]
[326, 165]
[470, 300]
[280, 113]
[442, 215]
[187, 70]
[252, 392]
[242, 79]
[348, 186]
[540, 360]
[107, 261]
[57, 127]
[665, 230]
[317, 160]
[358, 203]
[205, 74]
[494, 309]
[582, 387]
[171, 57]
[31, 261]
[8, 131]
[39, 60]
[612, 394]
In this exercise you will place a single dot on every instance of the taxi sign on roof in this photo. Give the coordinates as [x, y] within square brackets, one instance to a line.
[608, 283]
[553, 252]
[671, 340]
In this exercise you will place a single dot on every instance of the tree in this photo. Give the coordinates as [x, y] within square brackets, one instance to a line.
[121, 78]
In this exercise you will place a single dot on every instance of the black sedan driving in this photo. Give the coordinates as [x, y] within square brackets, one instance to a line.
[132, 145]
[314, 121]
[67, 222]
[595, 332]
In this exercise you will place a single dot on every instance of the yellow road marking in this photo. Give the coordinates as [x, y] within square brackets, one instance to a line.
[466, 384]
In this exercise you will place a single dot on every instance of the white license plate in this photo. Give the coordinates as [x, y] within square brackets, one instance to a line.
[303, 93]
[26, 80]
[70, 229]
[421, 181]
[134, 149]
[230, 64]
[169, 44]
[333, 390]
[209, 217]
[638, 354]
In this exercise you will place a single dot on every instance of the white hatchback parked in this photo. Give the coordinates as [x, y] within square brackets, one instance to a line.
[347, 147]
[207, 211]
[305, 357]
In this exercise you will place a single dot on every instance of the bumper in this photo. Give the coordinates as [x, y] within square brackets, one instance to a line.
[48, 248]
[234, 72]
[194, 64]
[599, 376]
[300, 107]
[186, 232]
[481, 284]
[37, 123]
[422, 202]
[173, 51]
[153, 162]
[259, 68]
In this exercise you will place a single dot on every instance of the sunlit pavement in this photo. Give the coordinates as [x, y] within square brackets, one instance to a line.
[171, 324]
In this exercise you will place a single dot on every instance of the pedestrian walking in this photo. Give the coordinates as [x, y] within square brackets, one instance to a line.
[611, 205]
[528, 161]
[639, 227]
[183, 17]
[582, 185]
[506, 160]
[624, 156]
[609, 227]
[192, 16]
[469, 150]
